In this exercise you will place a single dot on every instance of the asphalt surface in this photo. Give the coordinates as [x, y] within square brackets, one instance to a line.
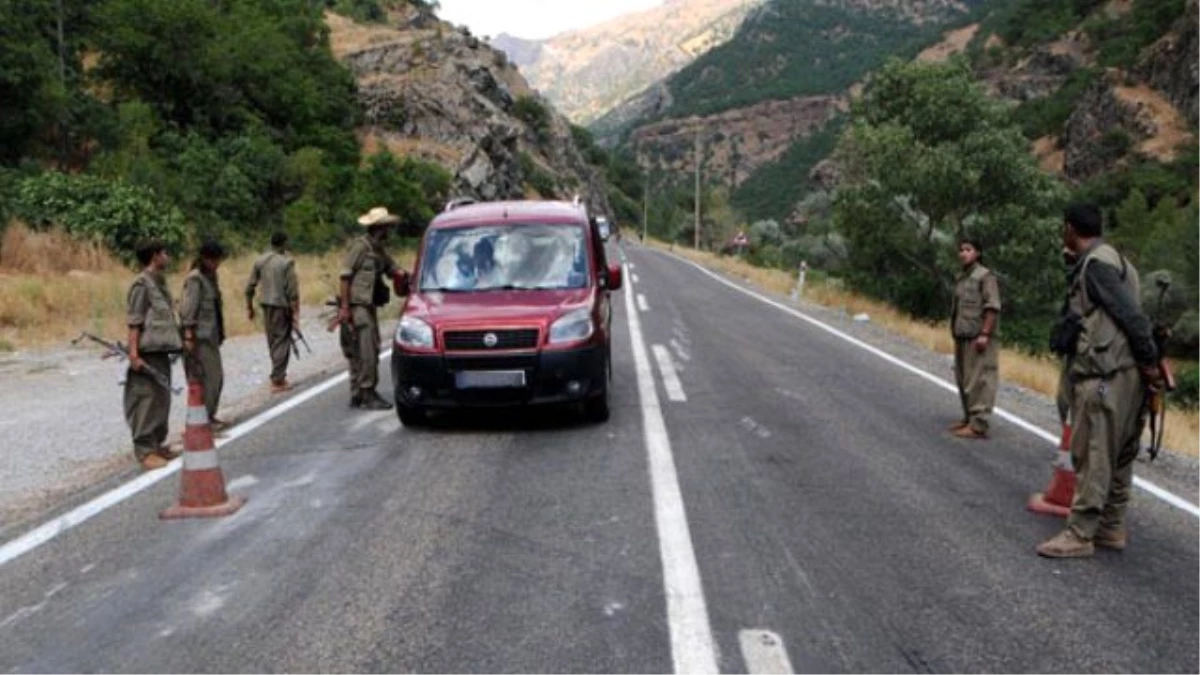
[823, 499]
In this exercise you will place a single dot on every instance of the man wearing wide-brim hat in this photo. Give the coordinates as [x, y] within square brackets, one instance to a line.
[362, 291]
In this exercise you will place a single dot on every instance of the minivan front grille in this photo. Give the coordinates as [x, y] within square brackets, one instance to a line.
[478, 340]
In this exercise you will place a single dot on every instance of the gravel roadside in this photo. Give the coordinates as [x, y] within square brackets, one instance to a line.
[63, 431]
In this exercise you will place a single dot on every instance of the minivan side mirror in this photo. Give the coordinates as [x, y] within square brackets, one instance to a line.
[614, 278]
[401, 283]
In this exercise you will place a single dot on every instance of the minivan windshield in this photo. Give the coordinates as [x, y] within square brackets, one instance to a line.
[505, 257]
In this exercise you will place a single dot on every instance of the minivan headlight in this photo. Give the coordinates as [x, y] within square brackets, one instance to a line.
[414, 333]
[572, 326]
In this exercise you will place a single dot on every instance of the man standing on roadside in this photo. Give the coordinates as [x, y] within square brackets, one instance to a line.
[1112, 362]
[974, 316]
[280, 301]
[203, 318]
[153, 337]
[362, 290]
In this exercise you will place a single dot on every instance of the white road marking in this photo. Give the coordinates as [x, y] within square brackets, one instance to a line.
[241, 482]
[680, 350]
[670, 379]
[1165, 495]
[641, 301]
[51, 529]
[692, 647]
[32, 609]
[757, 429]
[763, 652]
[634, 278]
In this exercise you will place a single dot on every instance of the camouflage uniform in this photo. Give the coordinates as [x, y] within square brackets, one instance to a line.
[147, 403]
[976, 373]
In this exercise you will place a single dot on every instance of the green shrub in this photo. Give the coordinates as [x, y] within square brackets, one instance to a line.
[531, 111]
[1187, 385]
[116, 214]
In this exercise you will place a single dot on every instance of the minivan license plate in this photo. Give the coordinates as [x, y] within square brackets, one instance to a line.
[489, 379]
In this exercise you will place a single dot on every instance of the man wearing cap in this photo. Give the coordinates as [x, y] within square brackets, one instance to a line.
[275, 270]
[153, 337]
[203, 320]
[973, 318]
[367, 262]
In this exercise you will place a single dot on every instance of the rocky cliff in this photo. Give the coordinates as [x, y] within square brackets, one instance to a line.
[433, 91]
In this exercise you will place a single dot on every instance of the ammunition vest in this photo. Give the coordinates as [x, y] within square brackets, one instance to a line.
[160, 331]
[209, 320]
[1102, 349]
[967, 310]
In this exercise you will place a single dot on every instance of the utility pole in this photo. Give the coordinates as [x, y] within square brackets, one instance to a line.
[698, 150]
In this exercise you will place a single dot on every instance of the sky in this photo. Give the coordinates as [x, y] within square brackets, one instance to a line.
[535, 19]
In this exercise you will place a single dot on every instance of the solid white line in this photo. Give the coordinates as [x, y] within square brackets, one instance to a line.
[764, 653]
[670, 379]
[80, 514]
[641, 301]
[1153, 489]
[692, 646]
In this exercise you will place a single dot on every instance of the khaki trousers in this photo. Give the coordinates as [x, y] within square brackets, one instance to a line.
[977, 375]
[148, 406]
[360, 346]
[204, 366]
[1106, 426]
[278, 322]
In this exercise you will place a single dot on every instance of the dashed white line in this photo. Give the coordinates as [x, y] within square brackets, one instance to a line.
[670, 379]
[1165, 495]
[641, 302]
[692, 647]
[764, 653]
[634, 277]
[680, 351]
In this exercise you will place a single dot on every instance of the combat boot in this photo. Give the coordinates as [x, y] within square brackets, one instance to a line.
[373, 401]
[1066, 544]
[1115, 538]
[356, 400]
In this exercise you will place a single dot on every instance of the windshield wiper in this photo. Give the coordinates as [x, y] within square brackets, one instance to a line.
[439, 289]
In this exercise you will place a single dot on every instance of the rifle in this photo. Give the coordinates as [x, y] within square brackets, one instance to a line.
[120, 351]
[1155, 400]
[298, 336]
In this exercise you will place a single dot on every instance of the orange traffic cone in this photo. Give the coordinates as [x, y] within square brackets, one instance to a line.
[1056, 500]
[202, 485]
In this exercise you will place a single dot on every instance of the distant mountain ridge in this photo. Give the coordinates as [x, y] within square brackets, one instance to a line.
[587, 72]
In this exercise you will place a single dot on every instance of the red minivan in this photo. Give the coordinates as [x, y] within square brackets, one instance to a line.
[508, 305]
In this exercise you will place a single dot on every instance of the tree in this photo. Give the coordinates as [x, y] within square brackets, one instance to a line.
[929, 158]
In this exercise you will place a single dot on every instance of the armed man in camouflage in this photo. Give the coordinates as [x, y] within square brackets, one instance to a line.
[203, 318]
[280, 301]
[153, 338]
[1112, 363]
[974, 316]
[362, 291]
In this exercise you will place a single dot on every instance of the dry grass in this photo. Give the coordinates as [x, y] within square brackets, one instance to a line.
[1037, 373]
[51, 287]
[1172, 130]
[953, 42]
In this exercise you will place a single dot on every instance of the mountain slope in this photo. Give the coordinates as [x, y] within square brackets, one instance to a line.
[432, 91]
[588, 71]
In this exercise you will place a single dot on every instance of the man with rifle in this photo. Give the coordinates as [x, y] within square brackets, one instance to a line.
[1112, 363]
[280, 301]
[153, 337]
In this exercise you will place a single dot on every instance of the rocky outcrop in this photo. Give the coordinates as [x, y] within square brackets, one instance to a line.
[737, 142]
[1042, 72]
[1172, 64]
[439, 93]
[1116, 117]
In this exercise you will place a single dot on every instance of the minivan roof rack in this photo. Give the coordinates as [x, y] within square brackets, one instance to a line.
[459, 201]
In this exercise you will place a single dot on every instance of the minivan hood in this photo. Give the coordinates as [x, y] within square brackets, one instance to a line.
[540, 307]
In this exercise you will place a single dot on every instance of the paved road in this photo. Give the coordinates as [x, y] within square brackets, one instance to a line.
[765, 496]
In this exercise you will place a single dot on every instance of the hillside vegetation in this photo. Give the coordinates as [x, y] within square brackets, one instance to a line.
[189, 119]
